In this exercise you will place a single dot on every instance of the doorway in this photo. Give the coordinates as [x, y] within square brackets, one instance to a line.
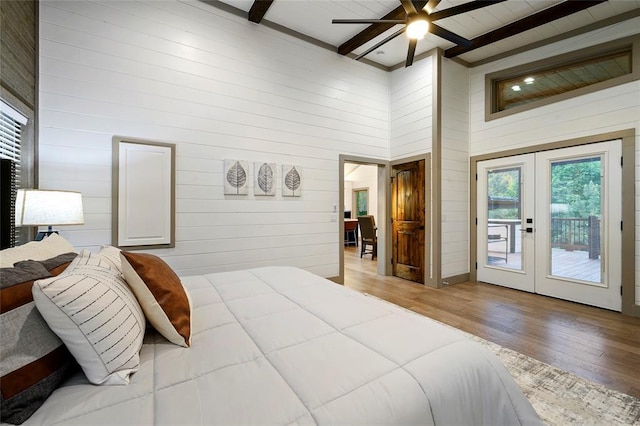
[361, 203]
[368, 177]
[549, 223]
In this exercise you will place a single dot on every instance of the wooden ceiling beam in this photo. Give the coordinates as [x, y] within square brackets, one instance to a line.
[537, 19]
[258, 10]
[374, 30]
[462, 8]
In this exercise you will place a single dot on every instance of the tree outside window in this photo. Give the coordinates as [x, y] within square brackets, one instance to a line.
[362, 201]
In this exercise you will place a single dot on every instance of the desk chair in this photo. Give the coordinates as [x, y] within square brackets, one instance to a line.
[350, 233]
[368, 234]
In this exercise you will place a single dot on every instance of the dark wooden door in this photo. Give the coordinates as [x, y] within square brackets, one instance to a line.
[408, 216]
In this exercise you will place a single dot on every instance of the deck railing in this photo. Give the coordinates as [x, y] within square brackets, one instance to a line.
[581, 234]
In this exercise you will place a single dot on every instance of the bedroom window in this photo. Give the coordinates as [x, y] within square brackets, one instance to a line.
[11, 122]
[562, 77]
[11, 127]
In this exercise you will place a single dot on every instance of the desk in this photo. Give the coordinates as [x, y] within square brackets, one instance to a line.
[351, 232]
[511, 224]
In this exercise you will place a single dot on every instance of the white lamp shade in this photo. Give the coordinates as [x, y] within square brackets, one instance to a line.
[35, 207]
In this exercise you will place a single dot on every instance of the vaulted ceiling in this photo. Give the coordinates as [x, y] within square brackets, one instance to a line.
[492, 29]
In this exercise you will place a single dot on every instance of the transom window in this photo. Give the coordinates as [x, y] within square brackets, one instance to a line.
[550, 80]
[520, 90]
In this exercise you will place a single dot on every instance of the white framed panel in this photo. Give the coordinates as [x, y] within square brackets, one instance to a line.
[144, 194]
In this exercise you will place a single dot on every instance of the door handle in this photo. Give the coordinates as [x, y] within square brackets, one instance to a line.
[528, 230]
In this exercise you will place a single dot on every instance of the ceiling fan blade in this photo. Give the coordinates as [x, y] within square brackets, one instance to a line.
[412, 50]
[431, 6]
[408, 7]
[448, 35]
[375, 30]
[371, 49]
[368, 21]
[462, 8]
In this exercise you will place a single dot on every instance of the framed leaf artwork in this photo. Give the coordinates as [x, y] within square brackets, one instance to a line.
[236, 177]
[291, 181]
[265, 179]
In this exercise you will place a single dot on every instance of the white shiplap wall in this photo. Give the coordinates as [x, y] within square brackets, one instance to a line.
[411, 119]
[607, 110]
[412, 109]
[219, 87]
[455, 169]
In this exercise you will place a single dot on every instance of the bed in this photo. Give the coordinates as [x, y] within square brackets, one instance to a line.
[280, 345]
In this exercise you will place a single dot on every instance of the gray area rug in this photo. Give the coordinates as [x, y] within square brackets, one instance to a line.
[562, 398]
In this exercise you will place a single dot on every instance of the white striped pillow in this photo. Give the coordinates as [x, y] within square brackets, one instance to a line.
[112, 254]
[92, 310]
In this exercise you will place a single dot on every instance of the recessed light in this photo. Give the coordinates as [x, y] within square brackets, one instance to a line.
[529, 80]
[515, 88]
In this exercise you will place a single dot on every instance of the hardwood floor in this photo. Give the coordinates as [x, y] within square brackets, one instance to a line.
[600, 345]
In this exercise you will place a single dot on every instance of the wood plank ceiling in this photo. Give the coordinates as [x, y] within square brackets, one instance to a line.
[532, 21]
[492, 26]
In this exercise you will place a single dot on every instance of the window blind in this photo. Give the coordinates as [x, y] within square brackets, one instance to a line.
[11, 125]
[10, 131]
[11, 122]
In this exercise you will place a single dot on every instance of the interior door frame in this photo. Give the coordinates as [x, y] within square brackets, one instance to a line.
[384, 199]
[627, 137]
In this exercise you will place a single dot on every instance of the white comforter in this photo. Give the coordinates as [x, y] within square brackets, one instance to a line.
[282, 346]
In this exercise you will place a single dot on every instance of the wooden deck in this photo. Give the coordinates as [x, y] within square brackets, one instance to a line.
[569, 264]
[597, 344]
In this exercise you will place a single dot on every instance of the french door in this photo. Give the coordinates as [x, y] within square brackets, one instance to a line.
[549, 223]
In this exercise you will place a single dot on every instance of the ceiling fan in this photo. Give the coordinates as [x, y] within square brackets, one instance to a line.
[419, 21]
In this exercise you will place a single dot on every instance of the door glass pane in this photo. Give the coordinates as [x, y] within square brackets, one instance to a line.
[576, 212]
[504, 218]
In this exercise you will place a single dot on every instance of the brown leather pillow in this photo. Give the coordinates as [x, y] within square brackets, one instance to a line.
[164, 300]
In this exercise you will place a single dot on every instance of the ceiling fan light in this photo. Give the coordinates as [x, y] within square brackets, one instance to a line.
[417, 28]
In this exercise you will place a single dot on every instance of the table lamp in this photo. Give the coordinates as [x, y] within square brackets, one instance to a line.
[40, 207]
